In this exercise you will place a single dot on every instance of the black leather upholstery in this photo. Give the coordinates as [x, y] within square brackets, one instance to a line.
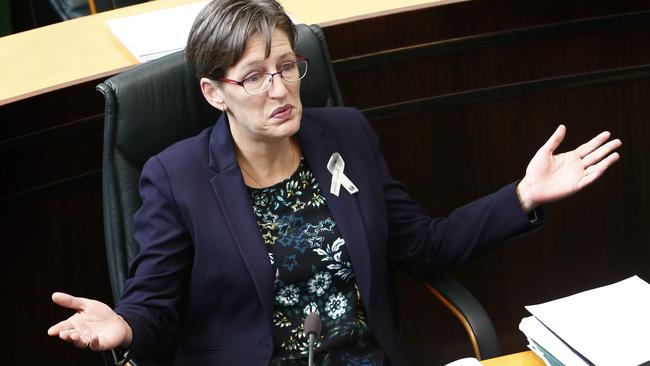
[158, 103]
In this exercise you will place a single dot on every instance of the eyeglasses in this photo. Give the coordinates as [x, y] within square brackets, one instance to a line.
[260, 82]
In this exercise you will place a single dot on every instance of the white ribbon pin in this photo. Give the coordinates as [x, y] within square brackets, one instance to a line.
[336, 166]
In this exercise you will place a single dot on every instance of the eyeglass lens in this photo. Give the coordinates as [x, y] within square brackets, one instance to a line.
[290, 72]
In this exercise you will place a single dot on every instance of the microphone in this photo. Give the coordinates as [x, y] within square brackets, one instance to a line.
[312, 332]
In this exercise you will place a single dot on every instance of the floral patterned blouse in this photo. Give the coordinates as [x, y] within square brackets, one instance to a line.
[313, 273]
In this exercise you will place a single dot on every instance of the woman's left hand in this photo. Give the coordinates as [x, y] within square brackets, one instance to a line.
[552, 177]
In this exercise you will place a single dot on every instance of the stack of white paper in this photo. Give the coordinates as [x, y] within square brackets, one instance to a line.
[606, 326]
[149, 36]
[158, 33]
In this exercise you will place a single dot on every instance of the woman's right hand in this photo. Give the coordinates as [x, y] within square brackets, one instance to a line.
[95, 325]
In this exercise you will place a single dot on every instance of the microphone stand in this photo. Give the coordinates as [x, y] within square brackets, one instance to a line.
[312, 338]
[312, 328]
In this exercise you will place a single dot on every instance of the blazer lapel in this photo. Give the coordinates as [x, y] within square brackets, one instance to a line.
[317, 149]
[232, 197]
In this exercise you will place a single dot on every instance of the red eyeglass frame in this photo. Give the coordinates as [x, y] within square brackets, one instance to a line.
[241, 83]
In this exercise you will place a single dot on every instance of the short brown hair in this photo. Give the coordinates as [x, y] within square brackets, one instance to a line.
[220, 31]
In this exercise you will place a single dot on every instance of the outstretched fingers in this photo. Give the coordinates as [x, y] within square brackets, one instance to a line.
[92, 326]
[601, 152]
[593, 144]
[66, 327]
[69, 301]
[80, 339]
[594, 172]
[59, 328]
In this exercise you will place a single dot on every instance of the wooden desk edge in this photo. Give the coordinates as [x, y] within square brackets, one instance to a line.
[526, 358]
[33, 93]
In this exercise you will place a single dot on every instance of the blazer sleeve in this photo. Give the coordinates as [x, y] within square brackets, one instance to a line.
[425, 246]
[160, 271]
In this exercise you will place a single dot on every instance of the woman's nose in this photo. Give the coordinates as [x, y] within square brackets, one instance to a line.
[278, 87]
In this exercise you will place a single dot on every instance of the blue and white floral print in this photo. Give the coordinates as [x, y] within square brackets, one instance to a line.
[332, 255]
[313, 273]
[320, 283]
[335, 306]
[287, 295]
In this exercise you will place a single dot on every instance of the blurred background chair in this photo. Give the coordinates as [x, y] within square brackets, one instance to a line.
[20, 15]
[70, 9]
[158, 103]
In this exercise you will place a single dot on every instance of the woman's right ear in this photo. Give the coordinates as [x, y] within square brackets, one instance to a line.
[212, 93]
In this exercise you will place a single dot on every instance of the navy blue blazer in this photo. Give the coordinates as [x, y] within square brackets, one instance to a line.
[201, 287]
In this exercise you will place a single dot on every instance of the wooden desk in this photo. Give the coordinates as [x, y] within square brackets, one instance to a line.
[527, 358]
[67, 53]
[83, 49]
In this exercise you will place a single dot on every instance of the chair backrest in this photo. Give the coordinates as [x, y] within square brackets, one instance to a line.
[158, 103]
[70, 9]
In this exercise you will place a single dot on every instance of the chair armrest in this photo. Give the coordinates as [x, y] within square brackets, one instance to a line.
[469, 311]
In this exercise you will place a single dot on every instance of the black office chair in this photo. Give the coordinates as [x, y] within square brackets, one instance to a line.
[158, 103]
[70, 9]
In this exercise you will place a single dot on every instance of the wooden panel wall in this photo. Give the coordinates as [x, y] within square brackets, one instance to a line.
[52, 233]
[461, 97]
[463, 100]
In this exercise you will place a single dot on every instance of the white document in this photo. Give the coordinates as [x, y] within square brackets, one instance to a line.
[541, 335]
[610, 325]
[152, 35]
[469, 361]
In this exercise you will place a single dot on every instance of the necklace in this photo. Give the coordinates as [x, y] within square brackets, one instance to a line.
[256, 181]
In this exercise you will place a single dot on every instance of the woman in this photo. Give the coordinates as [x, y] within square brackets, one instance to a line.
[276, 212]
